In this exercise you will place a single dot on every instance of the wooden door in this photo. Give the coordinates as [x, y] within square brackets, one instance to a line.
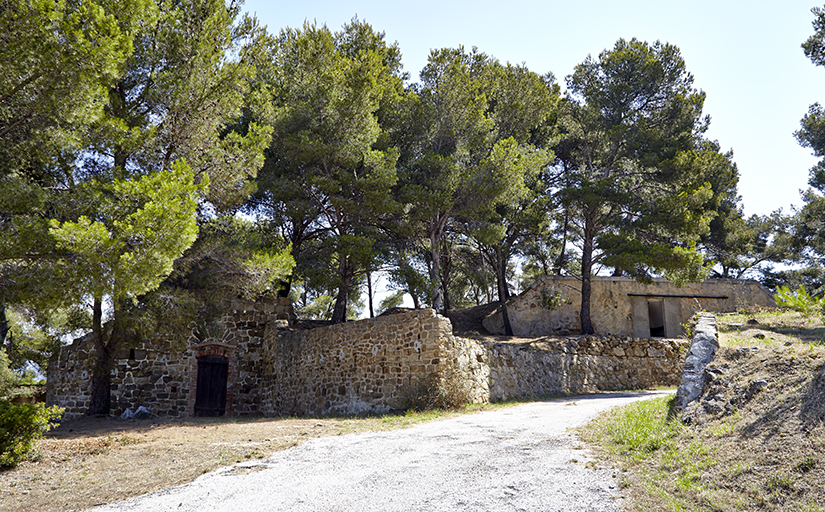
[210, 396]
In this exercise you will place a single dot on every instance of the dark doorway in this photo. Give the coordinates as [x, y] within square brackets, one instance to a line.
[656, 317]
[210, 395]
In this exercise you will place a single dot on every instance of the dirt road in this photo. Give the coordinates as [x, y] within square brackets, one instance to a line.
[514, 459]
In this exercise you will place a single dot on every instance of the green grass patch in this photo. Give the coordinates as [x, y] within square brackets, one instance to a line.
[764, 456]
[637, 430]
[663, 460]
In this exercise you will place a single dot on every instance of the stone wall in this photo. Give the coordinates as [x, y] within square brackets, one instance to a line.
[501, 371]
[153, 374]
[69, 378]
[619, 305]
[366, 366]
[354, 367]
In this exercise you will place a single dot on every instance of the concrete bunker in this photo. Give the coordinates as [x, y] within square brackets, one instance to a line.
[660, 315]
[623, 306]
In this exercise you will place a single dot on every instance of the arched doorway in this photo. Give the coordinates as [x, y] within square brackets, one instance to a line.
[210, 394]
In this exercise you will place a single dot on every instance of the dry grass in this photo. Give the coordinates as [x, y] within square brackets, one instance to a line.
[94, 461]
[756, 451]
[774, 328]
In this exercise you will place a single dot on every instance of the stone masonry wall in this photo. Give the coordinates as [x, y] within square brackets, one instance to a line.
[501, 371]
[154, 374]
[69, 378]
[366, 366]
[353, 367]
[161, 374]
[356, 367]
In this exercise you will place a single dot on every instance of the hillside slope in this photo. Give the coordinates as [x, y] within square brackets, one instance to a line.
[756, 439]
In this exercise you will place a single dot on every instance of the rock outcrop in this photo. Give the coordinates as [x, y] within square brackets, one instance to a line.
[701, 353]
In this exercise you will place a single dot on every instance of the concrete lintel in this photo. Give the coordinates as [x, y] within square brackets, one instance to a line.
[678, 295]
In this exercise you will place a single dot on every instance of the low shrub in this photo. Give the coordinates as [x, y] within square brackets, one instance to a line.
[20, 426]
[799, 300]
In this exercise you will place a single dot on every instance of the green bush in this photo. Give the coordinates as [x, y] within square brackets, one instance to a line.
[799, 300]
[20, 426]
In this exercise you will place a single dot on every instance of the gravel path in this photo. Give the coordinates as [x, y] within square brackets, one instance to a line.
[513, 459]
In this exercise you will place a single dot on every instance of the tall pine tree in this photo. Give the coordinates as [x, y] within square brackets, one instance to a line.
[326, 183]
[634, 184]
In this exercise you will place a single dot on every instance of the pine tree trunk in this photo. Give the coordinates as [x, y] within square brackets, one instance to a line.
[446, 269]
[559, 263]
[369, 294]
[505, 317]
[503, 291]
[100, 400]
[435, 273]
[339, 312]
[587, 264]
[501, 276]
[4, 323]
[586, 322]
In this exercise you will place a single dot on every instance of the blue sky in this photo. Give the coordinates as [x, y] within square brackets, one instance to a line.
[745, 55]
